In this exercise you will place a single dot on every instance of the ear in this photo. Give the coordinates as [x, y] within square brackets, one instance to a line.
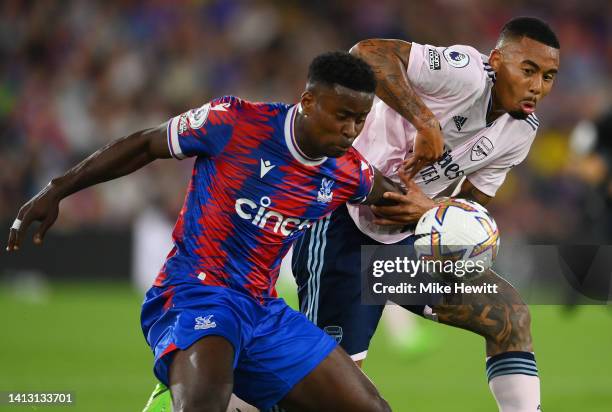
[495, 59]
[307, 101]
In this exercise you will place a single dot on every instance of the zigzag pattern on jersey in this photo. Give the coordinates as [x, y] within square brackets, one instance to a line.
[214, 243]
[218, 228]
[204, 225]
[266, 255]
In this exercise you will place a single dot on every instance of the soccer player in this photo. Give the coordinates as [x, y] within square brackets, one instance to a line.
[264, 172]
[482, 110]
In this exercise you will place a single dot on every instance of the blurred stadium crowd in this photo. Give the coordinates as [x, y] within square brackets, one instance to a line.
[76, 74]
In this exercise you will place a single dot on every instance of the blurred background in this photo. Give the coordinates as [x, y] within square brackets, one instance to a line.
[76, 74]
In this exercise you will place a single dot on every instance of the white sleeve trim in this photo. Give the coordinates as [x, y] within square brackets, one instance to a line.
[362, 199]
[173, 139]
[373, 173]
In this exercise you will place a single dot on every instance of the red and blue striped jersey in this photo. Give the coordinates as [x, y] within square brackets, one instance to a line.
[251, 194]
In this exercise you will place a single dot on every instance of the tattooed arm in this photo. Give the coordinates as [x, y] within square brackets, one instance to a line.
[471, 192]
[389, 60]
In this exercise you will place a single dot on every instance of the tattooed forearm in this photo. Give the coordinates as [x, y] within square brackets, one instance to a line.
[389, 60]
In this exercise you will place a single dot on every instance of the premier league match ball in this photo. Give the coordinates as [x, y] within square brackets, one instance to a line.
[458, 239]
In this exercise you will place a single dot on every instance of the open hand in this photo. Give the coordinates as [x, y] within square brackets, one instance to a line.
[428, 147]
[44, 208]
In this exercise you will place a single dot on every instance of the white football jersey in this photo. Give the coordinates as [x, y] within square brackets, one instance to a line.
[455, 83]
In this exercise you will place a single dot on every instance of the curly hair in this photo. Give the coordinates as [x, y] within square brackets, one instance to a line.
[344, 69]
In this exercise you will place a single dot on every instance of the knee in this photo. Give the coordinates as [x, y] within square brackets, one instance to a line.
[375, 404]
[190, 405]
[514, 333]
[381, 405]
[210, 399]
[520, 324]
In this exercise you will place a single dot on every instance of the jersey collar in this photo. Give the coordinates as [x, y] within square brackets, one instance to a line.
[295, 151]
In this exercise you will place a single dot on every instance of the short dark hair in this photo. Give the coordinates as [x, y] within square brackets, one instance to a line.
[530, 27]
[342, 68]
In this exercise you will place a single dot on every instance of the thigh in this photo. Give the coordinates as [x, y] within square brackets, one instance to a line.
[336, 384]
[195, 312]
[350, 323]
[283, 349]
[327, 267]
[201, 376]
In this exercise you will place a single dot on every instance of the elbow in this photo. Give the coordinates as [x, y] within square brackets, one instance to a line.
[360, 49]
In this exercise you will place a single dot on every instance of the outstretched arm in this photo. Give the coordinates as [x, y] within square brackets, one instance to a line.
[118, 158]
[389, 60]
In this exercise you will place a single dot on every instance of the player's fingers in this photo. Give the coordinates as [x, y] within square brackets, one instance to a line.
[42, 230]
[11, 240]
[18, 228]
[414, 169]
[22, 230]
[403, 214]
[407, 164]
[408, 182]
[388, 222]
[388, 211]
[397, 197]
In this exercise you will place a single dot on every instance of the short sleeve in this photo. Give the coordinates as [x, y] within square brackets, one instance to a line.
[490, 178]
[445, 72]
[203, 131]
[365, 178]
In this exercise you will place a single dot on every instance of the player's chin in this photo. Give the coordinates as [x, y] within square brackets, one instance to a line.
[518, 114]
[337, 151]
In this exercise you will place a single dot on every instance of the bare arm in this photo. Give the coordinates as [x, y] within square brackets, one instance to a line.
[469, 191]
[389, 60]
[118, 158]
[408, 208]
[381, 185]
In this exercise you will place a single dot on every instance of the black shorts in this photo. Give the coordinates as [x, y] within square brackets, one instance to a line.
[327, 267]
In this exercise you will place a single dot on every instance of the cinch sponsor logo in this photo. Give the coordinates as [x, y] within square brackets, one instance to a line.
[260, 216]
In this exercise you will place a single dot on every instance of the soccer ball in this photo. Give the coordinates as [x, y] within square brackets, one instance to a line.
[458, 238]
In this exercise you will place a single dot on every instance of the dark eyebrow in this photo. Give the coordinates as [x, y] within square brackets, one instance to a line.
[535, 66]
[529, 62]
[351, 113]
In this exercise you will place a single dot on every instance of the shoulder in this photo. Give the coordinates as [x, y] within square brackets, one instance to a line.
[456, 69]
[465, 64]
[533, 122]
[247, 108]
[527, 127]
[354, 165]
[356, 159]
[520, 134]
[459, 56]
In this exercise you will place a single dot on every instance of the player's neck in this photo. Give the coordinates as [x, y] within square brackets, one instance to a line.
[495, 110]
[302, 137]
